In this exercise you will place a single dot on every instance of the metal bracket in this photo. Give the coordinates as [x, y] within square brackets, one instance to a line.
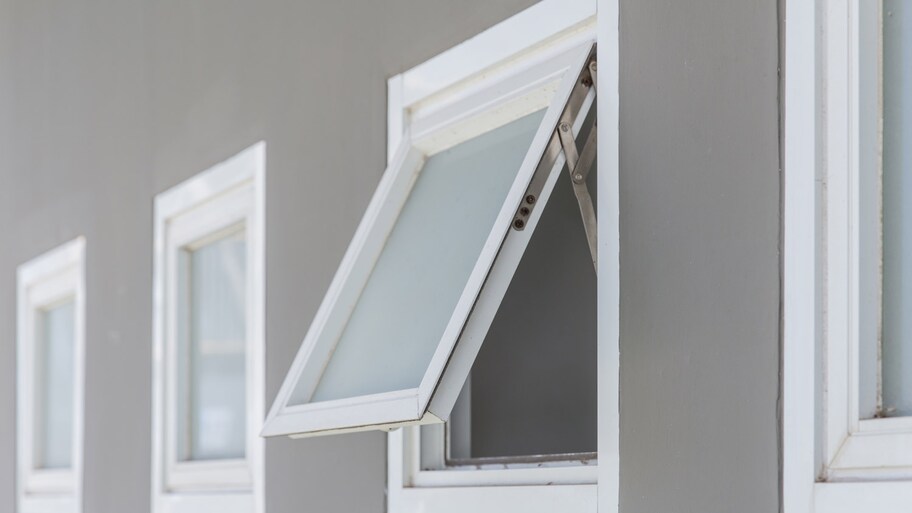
[578, 164]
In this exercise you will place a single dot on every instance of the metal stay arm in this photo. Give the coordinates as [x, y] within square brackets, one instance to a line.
[578, 164]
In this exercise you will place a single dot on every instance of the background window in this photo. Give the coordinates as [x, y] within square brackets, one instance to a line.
[208, 369]
[50, 366]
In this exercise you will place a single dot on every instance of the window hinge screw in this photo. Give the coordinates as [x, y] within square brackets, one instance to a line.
[565, 127]
[530, 199]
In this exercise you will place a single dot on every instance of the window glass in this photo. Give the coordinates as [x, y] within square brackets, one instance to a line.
[897, 208]
[212, 325]
[55, 329]
[399, 319]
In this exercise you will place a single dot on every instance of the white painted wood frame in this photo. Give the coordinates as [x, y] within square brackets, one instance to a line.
[556, 486]
[475, 104]
[834, 461]
[225, 198]
[42, 283]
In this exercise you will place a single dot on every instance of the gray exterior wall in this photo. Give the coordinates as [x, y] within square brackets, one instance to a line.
[699, 189]
[105, 103]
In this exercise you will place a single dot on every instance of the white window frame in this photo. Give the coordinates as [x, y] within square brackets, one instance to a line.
[834, 462]
[209, 204]
[41, 282]
[523, 41]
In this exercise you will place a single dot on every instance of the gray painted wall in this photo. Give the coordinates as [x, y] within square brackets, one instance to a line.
[699, 190]
[105, 103]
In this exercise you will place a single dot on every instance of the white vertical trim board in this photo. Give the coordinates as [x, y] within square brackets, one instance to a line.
[227, 197]
[42, 283]
[609, 265]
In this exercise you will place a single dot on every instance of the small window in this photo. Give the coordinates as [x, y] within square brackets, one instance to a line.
[417, 291]
[209, 285]
[51, 346]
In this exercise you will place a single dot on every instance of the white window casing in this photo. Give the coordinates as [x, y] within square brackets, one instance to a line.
[49, 283]
[222, 207]
[838, 456]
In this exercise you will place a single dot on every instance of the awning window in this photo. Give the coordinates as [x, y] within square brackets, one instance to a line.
[413, 299]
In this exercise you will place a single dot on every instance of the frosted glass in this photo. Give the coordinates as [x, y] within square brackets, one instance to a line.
[897, 208]
[417, 280]
[54, 387]
[212, 403]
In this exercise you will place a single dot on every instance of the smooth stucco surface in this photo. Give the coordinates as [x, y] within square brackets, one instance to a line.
[104, 104]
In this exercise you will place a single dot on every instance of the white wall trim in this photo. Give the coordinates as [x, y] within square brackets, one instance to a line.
[44, 280]
[228, 193]
[799, 259]
[609, 264]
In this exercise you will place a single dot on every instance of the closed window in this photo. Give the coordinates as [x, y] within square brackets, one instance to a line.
[209, 285]
[51, 346]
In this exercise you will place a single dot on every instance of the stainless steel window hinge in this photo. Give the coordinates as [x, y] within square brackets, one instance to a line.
[578, 164]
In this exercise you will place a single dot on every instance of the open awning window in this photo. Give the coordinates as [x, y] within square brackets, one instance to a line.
[418, 288]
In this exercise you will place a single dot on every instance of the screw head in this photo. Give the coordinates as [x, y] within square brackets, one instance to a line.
[524, 211]
[519, 224]
[530, 199]
[565, 127]
[578, 177]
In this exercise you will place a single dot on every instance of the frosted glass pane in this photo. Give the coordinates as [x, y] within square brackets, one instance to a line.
[212, 404]
[54, 387]
[897, 208]
[424, 267]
